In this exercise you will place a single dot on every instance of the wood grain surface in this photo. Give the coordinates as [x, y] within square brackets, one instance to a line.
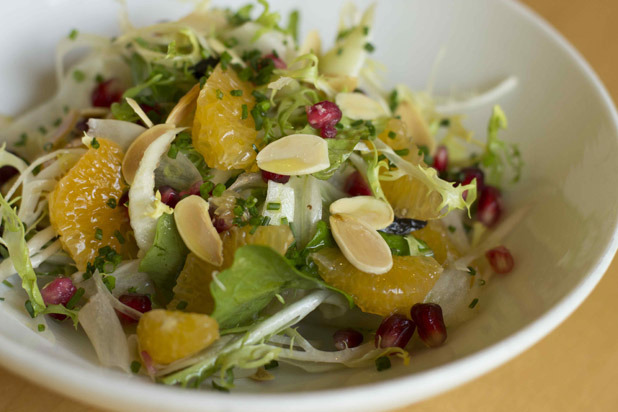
[575, 368]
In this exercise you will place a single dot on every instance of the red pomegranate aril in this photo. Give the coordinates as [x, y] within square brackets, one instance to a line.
[469, 174]
[429, 323]
[169, 196]
[440, 159]
[106, 93]
[394, 331]
[140, 303]
[500, 259]
[221, 224]
[266, 176]
[279, 64]
[323, 114]
[489, 207]
[58, 292]
[355, 185]
[328, 132]
[193, 190]
[347, 338]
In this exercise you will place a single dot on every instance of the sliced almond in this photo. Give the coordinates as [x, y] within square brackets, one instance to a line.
[297, 154]
[375, 212]
[135, 152]
[312, 44]
[341, 83]
[197, 231]
[140, 112]
[182, 114]
[357, 106]
[361, 244]
[415, 125]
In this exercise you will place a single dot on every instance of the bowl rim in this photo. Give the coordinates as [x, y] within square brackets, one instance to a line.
[92, 385]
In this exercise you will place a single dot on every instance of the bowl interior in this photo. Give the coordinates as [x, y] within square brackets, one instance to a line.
[559, 115]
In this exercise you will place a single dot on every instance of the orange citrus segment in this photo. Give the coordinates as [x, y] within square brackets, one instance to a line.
[396, 136]
[436, 237]
[395, 291]
[171, 335]
[85, 208]
[220, 133]
[193, 283]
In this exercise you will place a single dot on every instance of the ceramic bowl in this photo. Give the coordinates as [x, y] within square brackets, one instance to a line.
[560, 114]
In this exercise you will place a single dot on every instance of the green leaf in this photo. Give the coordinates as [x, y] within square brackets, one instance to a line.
[256, 276]
[165, 259]
[14, 239]
[406, 245]
[339, 150]
[499, 153]
[322, 239]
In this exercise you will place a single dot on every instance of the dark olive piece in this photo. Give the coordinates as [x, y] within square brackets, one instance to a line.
[402, 226]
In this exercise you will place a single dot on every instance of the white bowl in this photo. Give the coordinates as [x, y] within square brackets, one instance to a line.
[560, 113]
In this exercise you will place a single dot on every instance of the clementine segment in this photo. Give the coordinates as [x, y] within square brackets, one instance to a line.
[85, 209]
[395, 291]
[220, 133]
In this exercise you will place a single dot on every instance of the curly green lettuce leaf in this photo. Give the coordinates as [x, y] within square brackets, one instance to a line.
[165, 259]
[15, 241]
[499, 153]
[452, 196]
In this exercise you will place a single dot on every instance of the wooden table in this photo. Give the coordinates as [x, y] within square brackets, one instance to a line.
[575, 368]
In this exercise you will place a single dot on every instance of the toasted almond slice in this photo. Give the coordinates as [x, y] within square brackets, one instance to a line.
[357, 106]
[140, 112]
[182, 114]
[415, 125]
[135, 152]
[361, 244]
[341, 83]
[197, 231]
[312, 44]
[375, 212]
[297, 154]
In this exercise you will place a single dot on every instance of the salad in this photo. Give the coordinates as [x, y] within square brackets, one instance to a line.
[209, 198]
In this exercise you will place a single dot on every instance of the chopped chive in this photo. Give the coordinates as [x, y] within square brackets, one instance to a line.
[238, 210]
[112, 203]
[75, 298]
[29, 308]
[265, 220]
[383, 363]
[182, 305]
[7, 283]
[98, 234]
[472, 271]
[65, 109]
[42, 130]
[245, 112]
[445, 122]
[57, 122]
[284, 221]
[339, 51]
[73, 34]
[1, 299]
[41, 327]
[135, 366]
[236, 93]
[99, 78]
[273, 206]
[79, 76]
[356, 123]
[95, 143]
[369, 47]
[119, 236]
[132, 289]
[482, 282]
[218, 190]
[173, 152]
[205, 189]
[473, 303]
[452, 228]
[23, 138]
[218, 387]
[370, 127]
[392, 134]
[339, 126]
[219, 94]
[366, 30]
[271, 365]
[402, 152]
[231, 42]
[225, 60]
[110, 282]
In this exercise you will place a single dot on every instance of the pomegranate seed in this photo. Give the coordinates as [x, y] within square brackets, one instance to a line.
[58, 292]
[7, 173]
[140, 303]
[106, 93]
[500, 259]
[169, 196]
[279, 64]
[355, 185]
[430, 323]
[395, 330]
[266, 176]
[347, 338]
[328, 132]
[193, 190]
[221, 224]
[469, 174]
[440, 159]
[490, 206]
[323, 114]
